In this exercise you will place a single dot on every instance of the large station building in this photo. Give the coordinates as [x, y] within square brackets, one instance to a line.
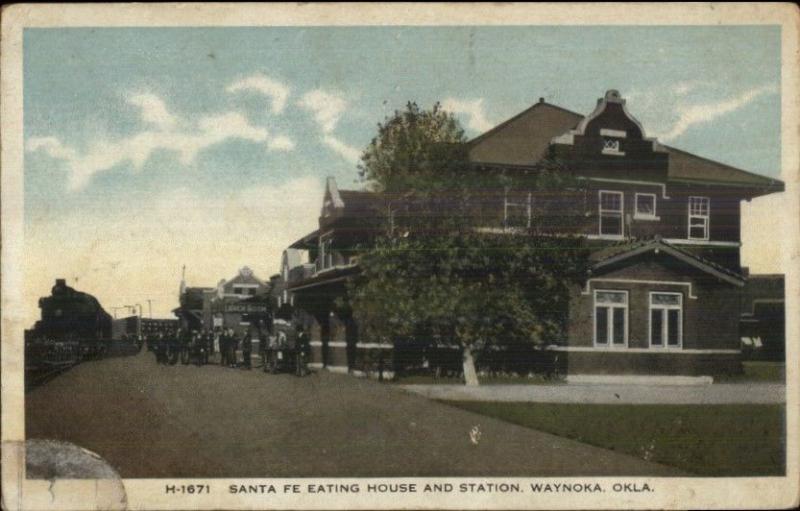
[664, 293]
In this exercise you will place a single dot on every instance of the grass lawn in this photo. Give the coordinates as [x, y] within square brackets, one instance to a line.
[707, 440]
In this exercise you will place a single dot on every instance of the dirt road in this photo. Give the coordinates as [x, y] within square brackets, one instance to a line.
[149, 420]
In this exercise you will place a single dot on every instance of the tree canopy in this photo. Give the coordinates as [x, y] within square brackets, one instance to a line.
[415, 149]
[438, 273]
[467, 289]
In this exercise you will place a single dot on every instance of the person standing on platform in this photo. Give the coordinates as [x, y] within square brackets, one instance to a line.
[233, 345]
[160, 348]
[247, 349]
[215, 347]
[223, 348]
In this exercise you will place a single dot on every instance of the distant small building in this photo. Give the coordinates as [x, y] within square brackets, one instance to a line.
[232, 303]
[190, 312]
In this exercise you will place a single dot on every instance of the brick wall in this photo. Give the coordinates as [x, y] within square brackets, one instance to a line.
[710, 321]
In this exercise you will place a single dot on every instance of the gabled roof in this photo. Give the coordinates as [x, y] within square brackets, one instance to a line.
[684, 166]
[245, 276]
[616, 254]
[524, 139]
[360, 201]
[345, 204]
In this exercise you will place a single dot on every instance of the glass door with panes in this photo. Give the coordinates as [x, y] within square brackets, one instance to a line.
[666, 320]
[611, 318]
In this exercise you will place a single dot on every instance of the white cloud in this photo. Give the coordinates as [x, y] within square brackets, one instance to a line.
[154, 111]
[326, 107]
[703, 113]
[472, 109]
[280, 143]
[349, 153]
[683, 88]
[277, 92]
[187, 141]
[52, 146]
[669, 111]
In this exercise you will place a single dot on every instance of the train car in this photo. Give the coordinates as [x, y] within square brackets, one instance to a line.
[71, 317]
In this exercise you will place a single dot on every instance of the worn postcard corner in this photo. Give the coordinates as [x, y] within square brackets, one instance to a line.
[384, 256]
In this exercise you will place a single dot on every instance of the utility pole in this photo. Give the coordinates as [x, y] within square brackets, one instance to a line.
[139, 323]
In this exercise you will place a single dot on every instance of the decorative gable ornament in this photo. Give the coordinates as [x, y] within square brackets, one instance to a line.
[612, 121]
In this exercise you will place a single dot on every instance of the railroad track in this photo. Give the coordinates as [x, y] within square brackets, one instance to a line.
[41, 374]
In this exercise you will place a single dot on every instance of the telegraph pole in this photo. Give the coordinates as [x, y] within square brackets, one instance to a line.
[150, 308]
[139, 323]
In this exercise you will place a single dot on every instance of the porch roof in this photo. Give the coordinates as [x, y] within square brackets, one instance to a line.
[329, 276]
[307, 241]
[619, 253]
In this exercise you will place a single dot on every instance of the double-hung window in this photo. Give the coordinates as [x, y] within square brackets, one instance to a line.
[610, 318]
[699, 209]
[666, 320]
[611, 213]
[517, 210]
[645, 206]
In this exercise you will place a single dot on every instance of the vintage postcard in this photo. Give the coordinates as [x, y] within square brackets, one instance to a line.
[400, 256]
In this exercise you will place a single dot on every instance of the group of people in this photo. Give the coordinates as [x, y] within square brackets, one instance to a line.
[235, 350]
[201, 346]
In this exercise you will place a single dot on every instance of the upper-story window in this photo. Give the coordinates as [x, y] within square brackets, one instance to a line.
[699, 215]
[610, 212]
[645, 206]
[244, 290]
[517, 211]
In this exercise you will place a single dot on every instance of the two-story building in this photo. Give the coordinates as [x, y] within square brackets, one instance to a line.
[349, 220]
[231, 303]
[663, 294]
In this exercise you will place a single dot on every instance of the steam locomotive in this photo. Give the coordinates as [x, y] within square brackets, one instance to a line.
[74, 327]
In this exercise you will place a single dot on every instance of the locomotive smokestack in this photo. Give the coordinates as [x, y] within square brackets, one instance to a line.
[61, 282]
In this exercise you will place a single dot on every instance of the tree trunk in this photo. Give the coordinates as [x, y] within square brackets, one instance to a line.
[470, 374]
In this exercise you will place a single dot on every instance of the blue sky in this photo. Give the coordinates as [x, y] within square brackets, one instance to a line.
[144, 145]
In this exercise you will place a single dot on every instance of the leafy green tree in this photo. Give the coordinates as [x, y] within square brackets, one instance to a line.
[437, 272]
[415, 149]
[467, 289]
